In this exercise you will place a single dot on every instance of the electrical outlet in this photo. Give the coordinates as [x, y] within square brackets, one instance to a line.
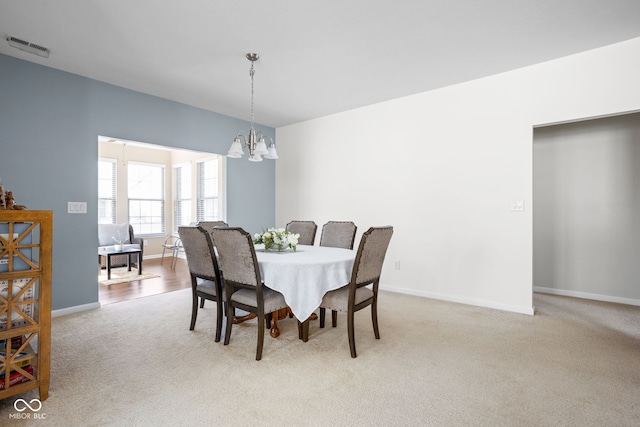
[397, 265]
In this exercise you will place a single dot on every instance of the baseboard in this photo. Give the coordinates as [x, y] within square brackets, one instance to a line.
[467, 301]
[586, 295]
[75, 309]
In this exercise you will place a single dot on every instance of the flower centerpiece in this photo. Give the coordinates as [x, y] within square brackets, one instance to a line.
[277, 238]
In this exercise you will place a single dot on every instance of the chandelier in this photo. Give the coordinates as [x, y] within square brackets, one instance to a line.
[255, 141]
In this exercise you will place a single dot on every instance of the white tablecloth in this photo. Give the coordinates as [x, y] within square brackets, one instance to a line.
[304, 276]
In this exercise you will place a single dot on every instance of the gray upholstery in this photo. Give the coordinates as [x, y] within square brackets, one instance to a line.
[362, 290]
[209, 225]
[338, 234]
[204, 272]
[273, 300]
[106, 233]
[371, 253]
[306, 230]
[236, 256]
[207, 286]
[199, 252]
[242, 281]
[338, 300]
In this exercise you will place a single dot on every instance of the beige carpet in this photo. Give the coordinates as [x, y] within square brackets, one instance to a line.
[575, 363]
[122, 275]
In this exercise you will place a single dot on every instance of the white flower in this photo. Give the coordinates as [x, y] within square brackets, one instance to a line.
[292, 239]
[276, 237]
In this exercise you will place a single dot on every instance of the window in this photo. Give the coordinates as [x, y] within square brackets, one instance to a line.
[182, 175]
[208, 209]
[106, 191]
[156, 192]
[146, 198]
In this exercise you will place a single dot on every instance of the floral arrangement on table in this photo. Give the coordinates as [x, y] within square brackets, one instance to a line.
[277, 238]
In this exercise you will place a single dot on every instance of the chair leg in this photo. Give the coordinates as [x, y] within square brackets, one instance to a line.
[350, 331]
[334, 318]
[260, 335]
[374, 318]
[231, 312]
[174, 259]
[322, 314]
[194, 311]
[219, 311]
[201, 302]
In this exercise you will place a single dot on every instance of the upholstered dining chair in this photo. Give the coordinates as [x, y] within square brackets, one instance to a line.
[204, 272]
[338, 234]
[357, 294]
[208, 226]
[242, 280]
[306, 230]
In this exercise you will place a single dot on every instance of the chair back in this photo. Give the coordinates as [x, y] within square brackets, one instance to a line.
[198, 247]
[370, 257]
[209, 225]
[237, 256]
[338, 234]
[306, 230]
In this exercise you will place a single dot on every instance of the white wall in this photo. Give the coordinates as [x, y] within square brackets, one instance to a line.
[443, 168]
[586, 218]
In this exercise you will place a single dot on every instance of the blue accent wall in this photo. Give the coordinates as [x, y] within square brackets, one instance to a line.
[49, 126]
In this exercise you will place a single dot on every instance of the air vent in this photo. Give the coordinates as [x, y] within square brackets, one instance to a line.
[28, 47]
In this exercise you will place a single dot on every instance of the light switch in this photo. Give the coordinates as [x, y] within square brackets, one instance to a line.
[77, 207]
[517, 205]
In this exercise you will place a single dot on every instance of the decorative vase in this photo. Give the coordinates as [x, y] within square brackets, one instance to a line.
[277, 248]
[119, 247]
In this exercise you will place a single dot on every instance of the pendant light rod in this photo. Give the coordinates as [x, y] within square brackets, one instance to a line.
[253, 57]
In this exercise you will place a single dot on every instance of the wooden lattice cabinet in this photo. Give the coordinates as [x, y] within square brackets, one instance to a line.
[25, 301]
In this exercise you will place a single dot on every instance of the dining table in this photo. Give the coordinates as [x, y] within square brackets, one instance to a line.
[303, 276]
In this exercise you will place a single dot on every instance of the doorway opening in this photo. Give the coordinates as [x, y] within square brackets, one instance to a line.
[155, 189]
[586, 216]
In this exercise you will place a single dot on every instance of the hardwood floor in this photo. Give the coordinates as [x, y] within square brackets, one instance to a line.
[168, 281]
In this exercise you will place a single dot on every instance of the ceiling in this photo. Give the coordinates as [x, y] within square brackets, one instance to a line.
[316, 58]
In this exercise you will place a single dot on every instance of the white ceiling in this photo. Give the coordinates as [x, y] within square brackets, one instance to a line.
[316, 58]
